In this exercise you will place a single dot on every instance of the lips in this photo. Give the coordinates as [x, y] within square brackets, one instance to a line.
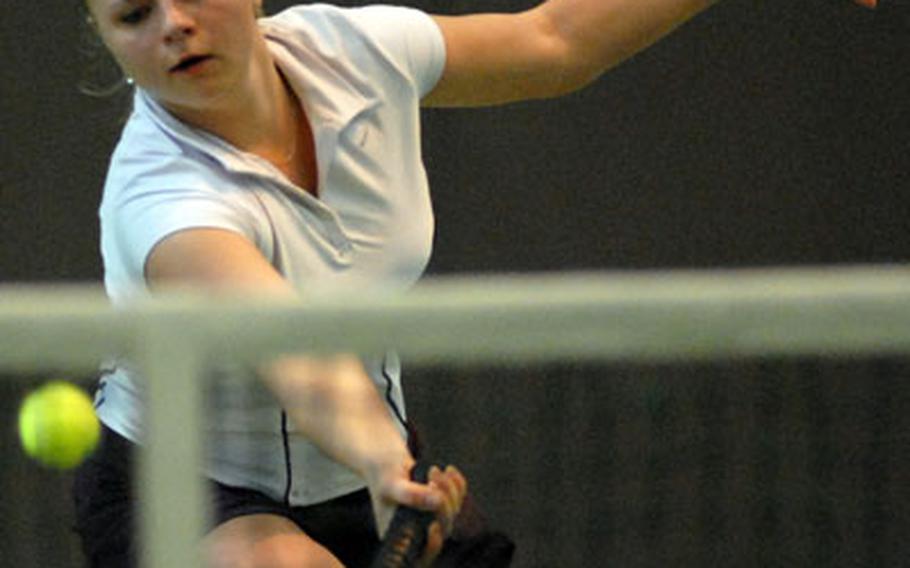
[189, 62]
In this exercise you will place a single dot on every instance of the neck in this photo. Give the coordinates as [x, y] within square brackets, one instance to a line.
[258, 116]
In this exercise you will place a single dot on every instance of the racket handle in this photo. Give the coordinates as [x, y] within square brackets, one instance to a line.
[407, 534]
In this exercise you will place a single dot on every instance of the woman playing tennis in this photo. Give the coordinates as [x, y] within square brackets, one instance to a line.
[281, 156]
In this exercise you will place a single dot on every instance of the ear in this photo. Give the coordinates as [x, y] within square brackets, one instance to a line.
[90, 25]
[86, 15]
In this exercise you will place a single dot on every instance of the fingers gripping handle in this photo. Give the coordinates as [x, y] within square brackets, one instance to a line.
[407, 534]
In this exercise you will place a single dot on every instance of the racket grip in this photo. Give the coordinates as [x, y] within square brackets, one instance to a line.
[407, 534]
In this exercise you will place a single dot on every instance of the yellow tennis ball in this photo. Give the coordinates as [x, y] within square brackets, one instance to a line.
[57, 425]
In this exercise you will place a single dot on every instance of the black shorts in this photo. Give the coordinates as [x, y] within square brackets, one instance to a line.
[105, 502]
[105, 511]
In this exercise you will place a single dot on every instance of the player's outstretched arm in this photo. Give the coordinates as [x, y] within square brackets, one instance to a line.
[550, 50]
[553, 49]
[331, 399]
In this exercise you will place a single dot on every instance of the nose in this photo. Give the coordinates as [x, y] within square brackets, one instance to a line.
[177, 21]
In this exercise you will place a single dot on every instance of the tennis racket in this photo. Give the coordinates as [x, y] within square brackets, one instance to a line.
[407, 534]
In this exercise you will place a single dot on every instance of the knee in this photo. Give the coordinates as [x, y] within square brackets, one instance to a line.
[292, 551]
[276, 551]
[264, 541]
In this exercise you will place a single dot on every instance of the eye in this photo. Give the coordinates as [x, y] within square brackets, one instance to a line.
[134, 16]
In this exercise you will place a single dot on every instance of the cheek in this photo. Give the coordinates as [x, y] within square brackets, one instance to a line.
[134, 58]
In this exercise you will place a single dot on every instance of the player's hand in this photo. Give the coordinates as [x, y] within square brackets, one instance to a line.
[443, 495]
[453, 487]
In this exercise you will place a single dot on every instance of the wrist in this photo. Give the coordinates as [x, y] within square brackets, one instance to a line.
[384, 463]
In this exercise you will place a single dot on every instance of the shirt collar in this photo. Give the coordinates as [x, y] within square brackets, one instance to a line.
[186, 136]
[331, 100]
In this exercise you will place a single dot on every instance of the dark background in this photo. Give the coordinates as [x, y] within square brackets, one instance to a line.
[760, 134]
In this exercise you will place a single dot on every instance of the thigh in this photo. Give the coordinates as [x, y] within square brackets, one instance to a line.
[264, 541]
[344, 525]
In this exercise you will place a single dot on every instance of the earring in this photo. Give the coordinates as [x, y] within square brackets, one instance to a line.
[129, 81]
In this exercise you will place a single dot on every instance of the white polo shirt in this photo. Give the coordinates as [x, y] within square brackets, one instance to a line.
[360, 74]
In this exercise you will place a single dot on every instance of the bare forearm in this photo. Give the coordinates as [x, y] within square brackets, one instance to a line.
[336, 406]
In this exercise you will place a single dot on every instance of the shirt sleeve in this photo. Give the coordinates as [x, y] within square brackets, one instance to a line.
[405, 38]
[147, 212]
[410, 37]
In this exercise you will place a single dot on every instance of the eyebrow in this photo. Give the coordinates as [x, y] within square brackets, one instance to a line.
[115, 5]
[119, 3]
